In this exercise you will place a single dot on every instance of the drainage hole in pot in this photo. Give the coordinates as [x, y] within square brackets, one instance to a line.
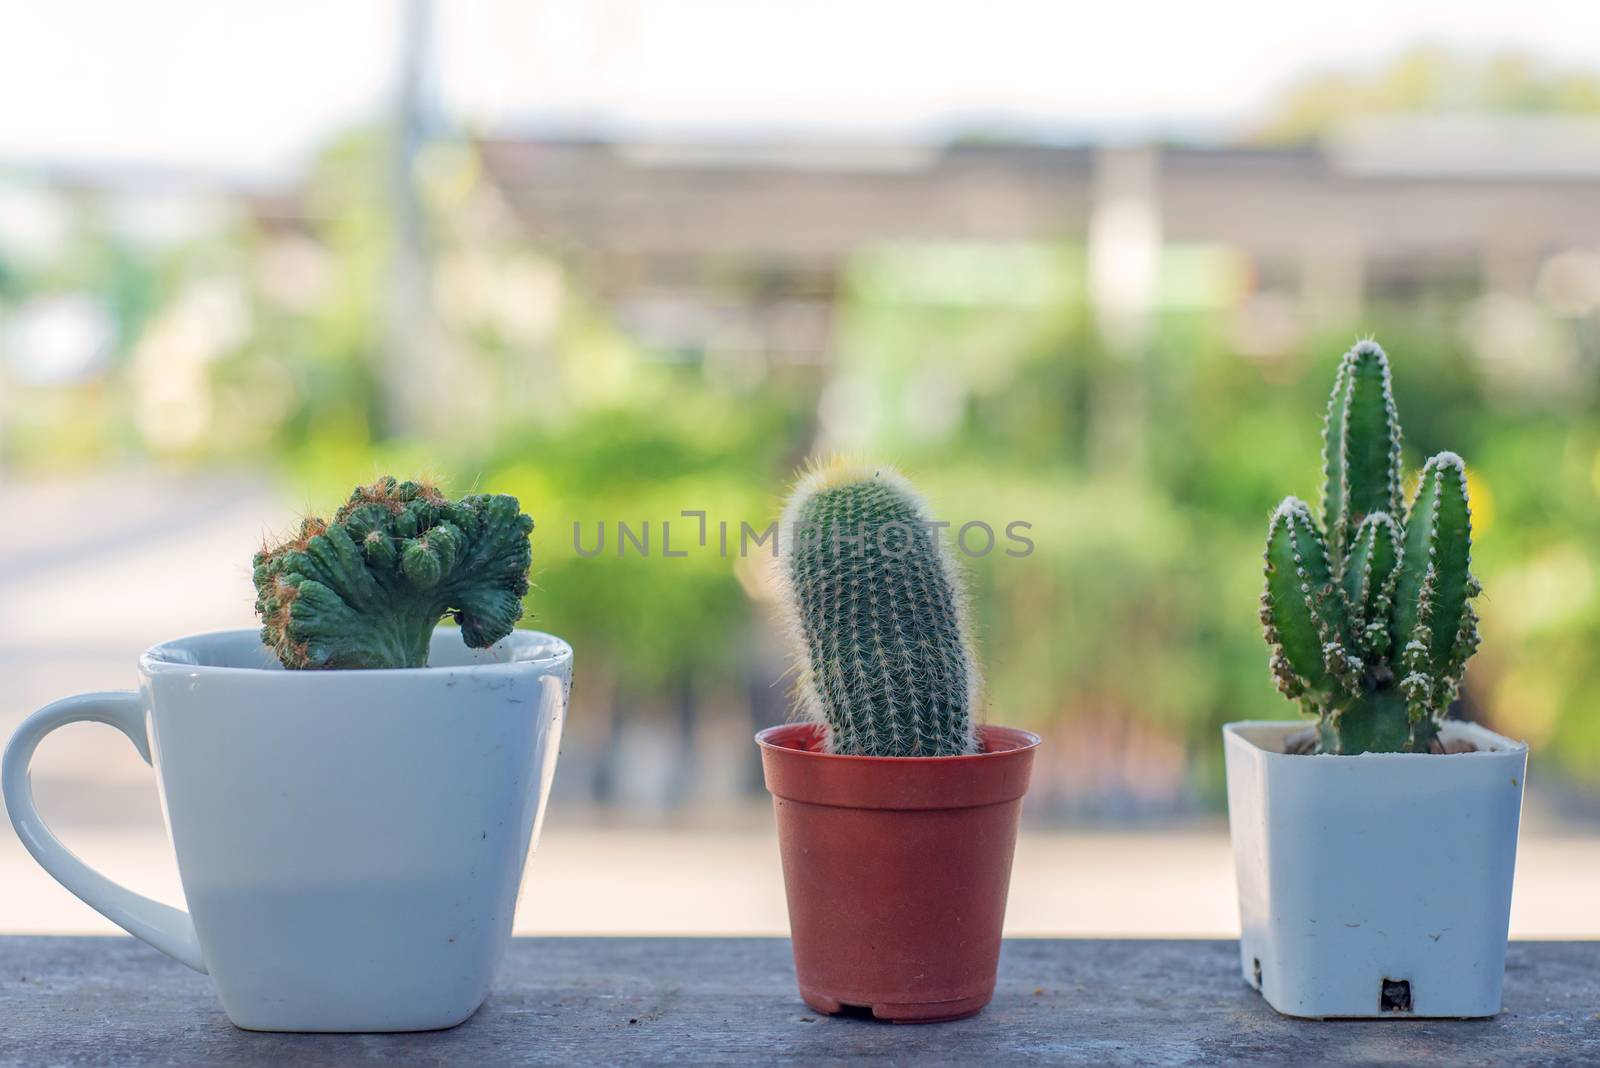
[855, 1012]
[1395, 996]
[1256, 962]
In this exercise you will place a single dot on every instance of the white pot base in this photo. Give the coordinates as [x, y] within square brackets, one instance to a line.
[1374, 886]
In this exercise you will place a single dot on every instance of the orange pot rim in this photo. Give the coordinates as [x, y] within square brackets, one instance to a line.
[785, 734]
[796, 773]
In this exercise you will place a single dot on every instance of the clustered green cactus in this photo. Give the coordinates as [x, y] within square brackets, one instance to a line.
[1370, 618]
[367, 589]
[876, 612]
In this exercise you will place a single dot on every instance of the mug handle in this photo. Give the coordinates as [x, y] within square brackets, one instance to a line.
[168, 929]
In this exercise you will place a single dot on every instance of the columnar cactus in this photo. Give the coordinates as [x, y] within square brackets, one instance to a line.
[876, 611]
[366, 589]
[1370, 618]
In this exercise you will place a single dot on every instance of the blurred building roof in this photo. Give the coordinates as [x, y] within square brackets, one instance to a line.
[1409, 189]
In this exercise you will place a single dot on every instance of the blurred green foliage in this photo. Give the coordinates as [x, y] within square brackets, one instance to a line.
[1430, 79]
[1146, 474]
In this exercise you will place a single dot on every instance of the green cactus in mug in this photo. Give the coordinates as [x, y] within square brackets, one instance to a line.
[877, 615]
[1370, 617]
[366, 589]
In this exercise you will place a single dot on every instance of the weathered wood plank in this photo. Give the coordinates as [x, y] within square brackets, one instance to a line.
[732, 1001]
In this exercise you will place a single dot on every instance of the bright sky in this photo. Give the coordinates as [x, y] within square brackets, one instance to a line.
[225, 85]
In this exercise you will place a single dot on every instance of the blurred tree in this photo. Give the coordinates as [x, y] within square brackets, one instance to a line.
[1128, 634]
[1428, 78]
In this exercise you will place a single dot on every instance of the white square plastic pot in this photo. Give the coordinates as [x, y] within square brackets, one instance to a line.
[1376, 885]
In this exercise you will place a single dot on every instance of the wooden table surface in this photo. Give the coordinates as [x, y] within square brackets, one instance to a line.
[601, 1001]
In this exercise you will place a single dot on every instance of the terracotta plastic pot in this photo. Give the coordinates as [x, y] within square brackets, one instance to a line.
[896, 870]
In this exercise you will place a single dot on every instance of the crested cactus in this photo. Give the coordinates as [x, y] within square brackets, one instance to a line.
[876, 612]
[1370, 618]
[366, 589]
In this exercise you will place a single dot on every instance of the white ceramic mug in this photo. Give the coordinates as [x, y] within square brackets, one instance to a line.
[350, 843]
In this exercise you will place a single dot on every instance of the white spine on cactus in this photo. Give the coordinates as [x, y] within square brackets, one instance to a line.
[830, 474]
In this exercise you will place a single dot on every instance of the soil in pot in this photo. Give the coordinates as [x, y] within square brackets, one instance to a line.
[1304, 743]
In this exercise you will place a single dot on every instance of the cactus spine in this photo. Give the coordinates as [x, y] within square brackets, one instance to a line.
[1371, 625]
[366, 589]
[876, 613]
